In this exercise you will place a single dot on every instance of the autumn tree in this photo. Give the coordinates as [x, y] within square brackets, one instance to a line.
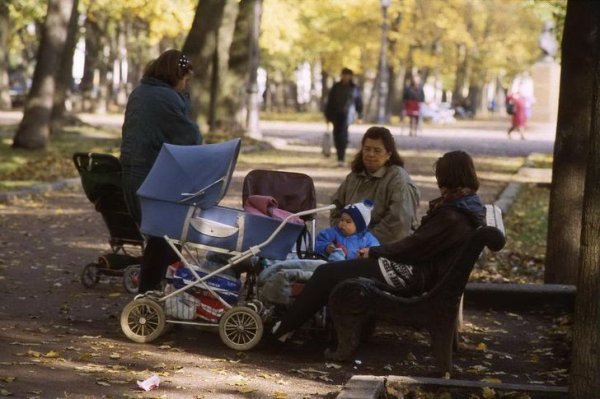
[34, 129]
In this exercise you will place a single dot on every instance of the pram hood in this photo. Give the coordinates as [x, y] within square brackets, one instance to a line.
[197, 175]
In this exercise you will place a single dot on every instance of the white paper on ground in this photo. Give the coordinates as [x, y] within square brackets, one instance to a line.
[150, 383]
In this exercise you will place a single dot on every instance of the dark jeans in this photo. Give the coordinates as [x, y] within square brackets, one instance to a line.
[158, 255]
[316, 292]
[340, 134]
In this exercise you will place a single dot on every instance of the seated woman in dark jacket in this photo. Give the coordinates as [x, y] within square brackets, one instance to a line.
[413, 264]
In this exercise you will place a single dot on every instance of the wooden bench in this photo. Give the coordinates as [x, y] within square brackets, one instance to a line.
[355, 304]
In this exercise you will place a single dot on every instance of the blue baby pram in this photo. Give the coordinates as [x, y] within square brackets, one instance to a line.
[180, 201]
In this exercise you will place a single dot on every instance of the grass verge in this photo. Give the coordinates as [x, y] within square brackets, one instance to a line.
[523, 258]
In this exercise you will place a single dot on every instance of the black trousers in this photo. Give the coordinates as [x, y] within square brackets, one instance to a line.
[157, 256]
[316, 292]
[340, 134]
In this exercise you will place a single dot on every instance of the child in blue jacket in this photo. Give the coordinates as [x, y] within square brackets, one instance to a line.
[349, 236]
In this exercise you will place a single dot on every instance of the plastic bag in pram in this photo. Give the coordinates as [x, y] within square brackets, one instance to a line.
[198, 301]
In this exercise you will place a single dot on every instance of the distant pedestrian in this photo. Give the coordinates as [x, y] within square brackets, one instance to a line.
[344, 103]
[515, 106]
[412, 98]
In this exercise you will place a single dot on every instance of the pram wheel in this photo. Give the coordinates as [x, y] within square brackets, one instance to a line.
[89, 275]
[143, 320]
[131, 278]
[240, 328]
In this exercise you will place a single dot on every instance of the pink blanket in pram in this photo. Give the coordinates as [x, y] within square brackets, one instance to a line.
[268, 206]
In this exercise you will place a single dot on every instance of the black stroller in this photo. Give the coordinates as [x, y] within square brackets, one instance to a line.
[101, 181]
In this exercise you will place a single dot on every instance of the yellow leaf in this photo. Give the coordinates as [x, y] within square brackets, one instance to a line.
[33, 353]
[280, 395]
[488, 393]
[52, 355]
[533, 358]
[482, 346]
[114, 294]
[115, 355]
[246, 390]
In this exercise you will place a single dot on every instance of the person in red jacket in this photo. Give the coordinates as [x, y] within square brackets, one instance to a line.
[516, 102]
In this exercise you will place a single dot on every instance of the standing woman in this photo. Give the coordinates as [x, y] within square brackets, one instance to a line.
[519, 114]
[157, 112]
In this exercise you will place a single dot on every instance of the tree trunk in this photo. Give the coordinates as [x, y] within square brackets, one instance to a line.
[214, 91]
[89, 81]
[34, 129]
[234, 96]
[584, 376]
[252, 116]
[474, 98]
[571, 144]
[5, 101]
[461, 76]
[214, 19]
[64, 75]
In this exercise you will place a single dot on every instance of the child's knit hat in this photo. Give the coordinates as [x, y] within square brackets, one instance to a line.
[360, 214]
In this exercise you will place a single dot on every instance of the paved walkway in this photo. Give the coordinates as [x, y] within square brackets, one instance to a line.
[483, 137]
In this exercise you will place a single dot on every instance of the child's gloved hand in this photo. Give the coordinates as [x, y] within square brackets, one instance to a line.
[337, 255]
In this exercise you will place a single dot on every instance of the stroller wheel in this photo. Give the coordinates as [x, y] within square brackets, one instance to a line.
[240, 328]
[143, 320]
[131, 278]
[90, 275]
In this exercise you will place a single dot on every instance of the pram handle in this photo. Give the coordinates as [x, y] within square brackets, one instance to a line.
[311, 211]
[256, 249]
[200, 192]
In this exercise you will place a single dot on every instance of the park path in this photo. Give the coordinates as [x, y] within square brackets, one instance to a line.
[484, 137]
[58, 338]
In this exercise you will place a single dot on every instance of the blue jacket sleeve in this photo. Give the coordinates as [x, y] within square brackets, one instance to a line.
[324, 238]
[371, 240]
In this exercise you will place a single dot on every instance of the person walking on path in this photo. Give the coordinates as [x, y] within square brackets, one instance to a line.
[412, 98]
[517, 108]
[344, 103]
[156, 113]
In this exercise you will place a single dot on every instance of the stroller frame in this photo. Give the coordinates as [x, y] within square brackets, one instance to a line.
[241, 325]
